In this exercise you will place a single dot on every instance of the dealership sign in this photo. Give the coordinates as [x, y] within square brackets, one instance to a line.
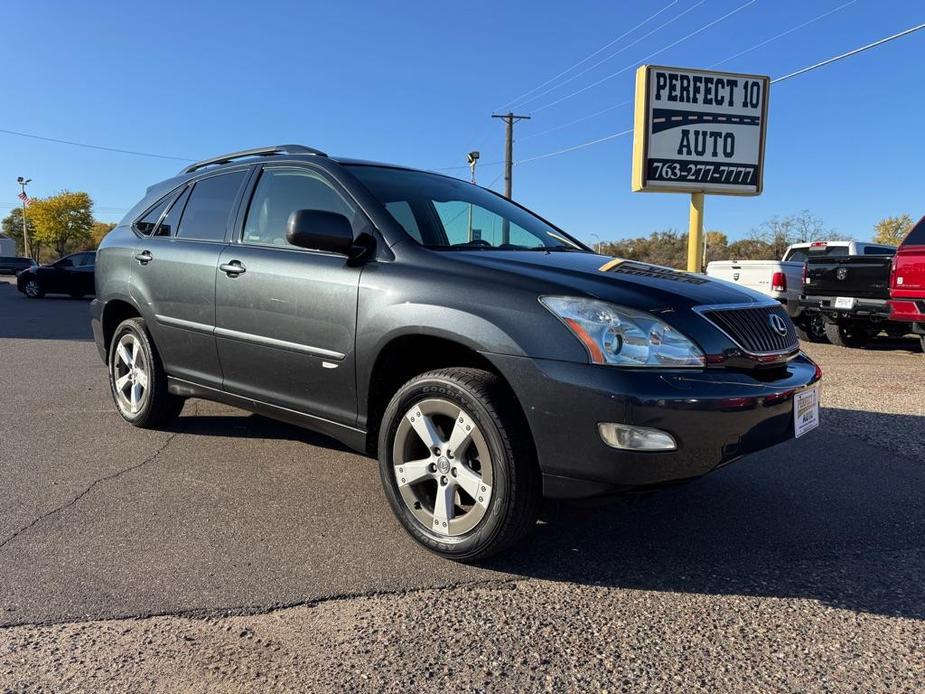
[698, 131]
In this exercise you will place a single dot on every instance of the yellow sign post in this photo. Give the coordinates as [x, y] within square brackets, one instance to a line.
[699, 132]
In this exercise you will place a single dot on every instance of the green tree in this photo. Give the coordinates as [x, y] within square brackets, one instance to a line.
[750, 249]
[62, 220]
[97, 232]
[668, 248]
[892, 230]
[12, 227]
[717, 246]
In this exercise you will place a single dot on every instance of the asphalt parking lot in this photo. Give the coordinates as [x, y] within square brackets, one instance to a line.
[233, 552]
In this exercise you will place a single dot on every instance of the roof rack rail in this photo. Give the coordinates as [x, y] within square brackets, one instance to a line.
[256, 152]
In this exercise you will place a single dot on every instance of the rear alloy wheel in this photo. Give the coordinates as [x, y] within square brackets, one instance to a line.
[455, 465]
[847, 334]
[33, 289]
[811, 327]
[137, 378]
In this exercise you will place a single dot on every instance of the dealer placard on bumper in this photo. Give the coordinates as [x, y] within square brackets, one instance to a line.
[805, 411]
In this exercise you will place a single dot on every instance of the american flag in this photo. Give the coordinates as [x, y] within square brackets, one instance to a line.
[25, 198]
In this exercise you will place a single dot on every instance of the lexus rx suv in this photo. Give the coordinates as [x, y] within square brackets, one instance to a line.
[484, 355]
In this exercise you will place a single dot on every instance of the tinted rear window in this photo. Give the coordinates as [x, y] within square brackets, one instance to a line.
[916, 236]
[879, 250]
[209, 207]
[800, 255]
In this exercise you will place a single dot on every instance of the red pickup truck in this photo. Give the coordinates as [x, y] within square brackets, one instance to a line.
[907, 281]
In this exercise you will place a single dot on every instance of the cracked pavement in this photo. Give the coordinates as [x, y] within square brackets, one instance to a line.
[234, 552]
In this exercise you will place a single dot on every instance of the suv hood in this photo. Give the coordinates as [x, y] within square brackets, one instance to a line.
[626, 282]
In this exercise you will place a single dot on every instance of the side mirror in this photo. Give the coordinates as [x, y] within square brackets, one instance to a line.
[320, 231]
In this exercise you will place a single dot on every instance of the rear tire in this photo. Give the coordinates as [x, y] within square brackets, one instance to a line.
[811, 328]
[847, 335]
[137, 378]
[478, 441]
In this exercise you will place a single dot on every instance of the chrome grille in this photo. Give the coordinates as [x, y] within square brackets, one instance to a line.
[751, 329]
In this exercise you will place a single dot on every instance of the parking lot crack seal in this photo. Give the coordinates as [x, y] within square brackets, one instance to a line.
[106, 478]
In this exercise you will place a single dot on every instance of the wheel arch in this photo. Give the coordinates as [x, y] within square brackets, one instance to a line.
[404, 356]
[114, 312]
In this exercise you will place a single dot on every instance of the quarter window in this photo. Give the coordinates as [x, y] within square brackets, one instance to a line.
[209, 207]
[168, 225]
[146, 224]
[279, 193]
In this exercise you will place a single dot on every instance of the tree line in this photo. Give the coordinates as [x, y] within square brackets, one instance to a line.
[57, 225]
[766, 242]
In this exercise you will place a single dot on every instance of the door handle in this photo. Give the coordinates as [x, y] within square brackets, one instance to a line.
[144, 257]
[233, 268]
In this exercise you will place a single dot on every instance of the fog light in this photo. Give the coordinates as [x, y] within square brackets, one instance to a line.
[632, 438]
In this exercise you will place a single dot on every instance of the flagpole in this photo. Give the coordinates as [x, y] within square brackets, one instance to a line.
[25, 228]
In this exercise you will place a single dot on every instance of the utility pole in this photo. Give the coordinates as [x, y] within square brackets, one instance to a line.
[23, 182]
[509, 120]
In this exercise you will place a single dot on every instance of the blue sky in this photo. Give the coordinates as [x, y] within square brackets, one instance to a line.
[415, 83]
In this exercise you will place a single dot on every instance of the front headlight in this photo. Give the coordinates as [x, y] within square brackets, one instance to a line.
[622, 336]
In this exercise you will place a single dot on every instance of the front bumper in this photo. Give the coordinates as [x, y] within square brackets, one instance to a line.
[715, 415]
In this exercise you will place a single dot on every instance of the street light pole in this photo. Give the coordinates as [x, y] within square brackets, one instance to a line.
[23, 182]
[473, 159]
[597, 246]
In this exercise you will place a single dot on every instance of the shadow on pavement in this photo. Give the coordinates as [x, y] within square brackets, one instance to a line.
[50, 318]
[253, 426]
[825, 518]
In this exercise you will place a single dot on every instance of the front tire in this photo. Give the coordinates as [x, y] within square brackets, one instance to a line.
[137, 378]
[458, 465]
[847, 335]
[33, 289]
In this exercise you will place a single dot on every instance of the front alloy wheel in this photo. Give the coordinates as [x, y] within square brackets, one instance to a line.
[458, 464]
[442, 467]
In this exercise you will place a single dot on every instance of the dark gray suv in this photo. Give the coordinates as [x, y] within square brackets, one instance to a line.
[484, 355]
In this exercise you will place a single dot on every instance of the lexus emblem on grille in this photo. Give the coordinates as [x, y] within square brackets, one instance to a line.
[777, 324]
[841, 273]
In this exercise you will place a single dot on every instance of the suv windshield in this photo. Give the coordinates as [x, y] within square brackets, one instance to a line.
[448, 214]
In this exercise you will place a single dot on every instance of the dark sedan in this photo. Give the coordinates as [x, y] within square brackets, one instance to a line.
[10, 265]
[72, 274]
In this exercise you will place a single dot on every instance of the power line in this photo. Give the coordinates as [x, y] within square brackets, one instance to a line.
[587, 58]
[581, 146]
[614, 55]
[784, 33]
[89, 146]
[849, 53]
[725, 60]
[651, 55]
[796, 73]
[578, 120]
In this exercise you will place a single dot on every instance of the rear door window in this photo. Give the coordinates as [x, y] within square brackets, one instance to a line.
[209, 207]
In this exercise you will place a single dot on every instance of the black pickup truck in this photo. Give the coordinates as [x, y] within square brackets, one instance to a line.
[852, 294]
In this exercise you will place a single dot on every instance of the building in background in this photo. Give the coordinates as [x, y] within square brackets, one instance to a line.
[7, 245]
